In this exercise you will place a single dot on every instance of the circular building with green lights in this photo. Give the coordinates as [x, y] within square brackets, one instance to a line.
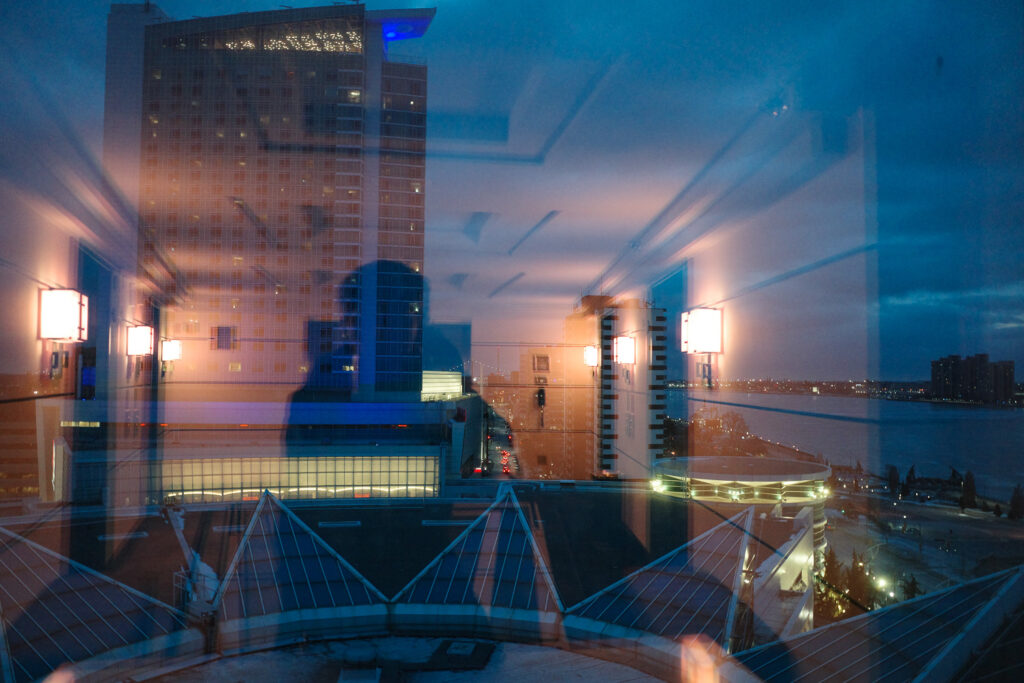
[740, 480]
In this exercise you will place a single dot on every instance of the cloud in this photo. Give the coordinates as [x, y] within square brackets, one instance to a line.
[1017, 324]
[1006, 293]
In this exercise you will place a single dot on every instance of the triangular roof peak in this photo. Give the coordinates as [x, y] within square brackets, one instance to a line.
[281, 565]
[494, 562]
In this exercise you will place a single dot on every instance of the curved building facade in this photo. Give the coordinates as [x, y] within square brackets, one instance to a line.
[749, 481]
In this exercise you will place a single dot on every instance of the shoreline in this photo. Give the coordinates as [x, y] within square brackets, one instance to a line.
[879, 433]
[943, 489]
[881, 396]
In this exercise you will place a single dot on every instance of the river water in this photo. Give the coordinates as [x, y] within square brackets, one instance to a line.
[878, 433]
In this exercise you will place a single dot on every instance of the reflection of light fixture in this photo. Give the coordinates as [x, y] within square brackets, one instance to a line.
[63, 315]
[170, 349]
[624, 350]
[702, 330]
[140, 340]
[590, 357]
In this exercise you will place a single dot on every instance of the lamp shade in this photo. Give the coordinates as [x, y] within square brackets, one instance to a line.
[63, 315]
[702, 331]
[624, 350]
[170, 349]
[140, 340]
[591, 357]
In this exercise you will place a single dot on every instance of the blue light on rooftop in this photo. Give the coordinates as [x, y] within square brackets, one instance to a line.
[403, 29]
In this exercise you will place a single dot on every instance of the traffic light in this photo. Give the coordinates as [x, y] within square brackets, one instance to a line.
[541, 398]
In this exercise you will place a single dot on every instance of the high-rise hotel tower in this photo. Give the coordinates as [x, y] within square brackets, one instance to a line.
[280, 180]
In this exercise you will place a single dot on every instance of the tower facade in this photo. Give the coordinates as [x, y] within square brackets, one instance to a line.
[281, 202]
[633, 384]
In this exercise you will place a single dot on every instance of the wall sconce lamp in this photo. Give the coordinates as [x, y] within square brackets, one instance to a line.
[702, 331]
[63, 315]
[170, 349]
[140, 340]
[624, 350]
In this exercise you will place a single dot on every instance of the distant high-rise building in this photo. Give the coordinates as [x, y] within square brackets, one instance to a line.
[976, 380]
[973, 378]
[280, 179]
[594, 404]
[1003, 381]
[633, 384]
[550, 403]
[945, 382]
[277, 161]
